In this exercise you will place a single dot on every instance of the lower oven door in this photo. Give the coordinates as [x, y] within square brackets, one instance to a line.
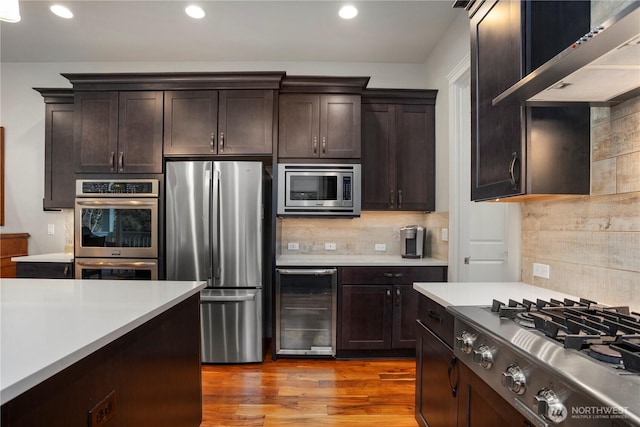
[116, 269]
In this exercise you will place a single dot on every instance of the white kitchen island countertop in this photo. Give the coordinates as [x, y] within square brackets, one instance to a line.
[48, 325]
[483, 293]
[339, 260]
[54, 257]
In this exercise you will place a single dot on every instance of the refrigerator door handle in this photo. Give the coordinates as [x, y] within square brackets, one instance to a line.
[228, 298]
[215, 227]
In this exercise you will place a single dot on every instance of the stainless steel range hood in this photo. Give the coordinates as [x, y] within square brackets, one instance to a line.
[602, 68]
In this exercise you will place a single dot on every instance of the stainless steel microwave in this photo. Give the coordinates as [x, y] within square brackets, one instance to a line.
[318, 189]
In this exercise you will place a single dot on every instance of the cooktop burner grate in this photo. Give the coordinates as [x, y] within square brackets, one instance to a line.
[608, 334]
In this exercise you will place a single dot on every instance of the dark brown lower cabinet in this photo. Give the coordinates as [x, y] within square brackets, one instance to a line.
[437, 375]
[153, 373]
[480, 406]
[378, 307]
[45, 270]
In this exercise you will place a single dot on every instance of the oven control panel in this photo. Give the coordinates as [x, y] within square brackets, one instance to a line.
[119, 188]
[539, 394]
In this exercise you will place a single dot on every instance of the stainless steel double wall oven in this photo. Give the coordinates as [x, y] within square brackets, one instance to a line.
[116, 229]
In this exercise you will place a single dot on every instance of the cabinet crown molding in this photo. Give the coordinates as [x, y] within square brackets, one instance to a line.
[176, 81]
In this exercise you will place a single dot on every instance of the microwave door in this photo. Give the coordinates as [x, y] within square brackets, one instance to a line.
[306, 189]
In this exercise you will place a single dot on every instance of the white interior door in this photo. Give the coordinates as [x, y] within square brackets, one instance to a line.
[484, 244]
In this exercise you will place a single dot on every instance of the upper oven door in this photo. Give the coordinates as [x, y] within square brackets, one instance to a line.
[118, 227]
[317, 189]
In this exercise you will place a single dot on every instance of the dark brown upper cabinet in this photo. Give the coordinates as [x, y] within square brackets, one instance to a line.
[319, 117]
[524, 151]
[225, 122]
[118, 131]
[59, 179]
[319, 126]
[398, 149]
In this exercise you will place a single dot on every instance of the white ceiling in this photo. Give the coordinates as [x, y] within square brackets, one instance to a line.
[159, 31]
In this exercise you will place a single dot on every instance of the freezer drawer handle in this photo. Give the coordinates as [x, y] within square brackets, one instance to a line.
[227, 298]
[322, 272]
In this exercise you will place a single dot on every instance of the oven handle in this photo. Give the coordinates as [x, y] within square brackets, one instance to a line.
[116, 203]
[117, 264]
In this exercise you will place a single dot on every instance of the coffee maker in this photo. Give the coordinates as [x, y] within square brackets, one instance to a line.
[412, 241]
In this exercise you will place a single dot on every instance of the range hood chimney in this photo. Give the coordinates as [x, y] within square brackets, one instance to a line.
[602, 68]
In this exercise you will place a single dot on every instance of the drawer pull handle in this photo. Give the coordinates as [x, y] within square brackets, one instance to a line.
[434, 315]
[392, 275]
[454, 387]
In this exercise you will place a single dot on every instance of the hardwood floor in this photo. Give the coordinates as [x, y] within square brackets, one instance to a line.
[296, 392]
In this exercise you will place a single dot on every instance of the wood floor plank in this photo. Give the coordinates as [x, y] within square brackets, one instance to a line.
[298, 392]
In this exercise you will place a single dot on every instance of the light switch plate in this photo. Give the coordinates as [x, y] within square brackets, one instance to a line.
[293, 246]
[51, 229]
[541, 270]
[445, 235]
[329, 246]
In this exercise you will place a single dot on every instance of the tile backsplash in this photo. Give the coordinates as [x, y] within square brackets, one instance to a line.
[356, 236]
[592, 243]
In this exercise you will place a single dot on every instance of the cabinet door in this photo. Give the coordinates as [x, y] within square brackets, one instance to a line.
[378, 157]
[340, 126]
[190, 122]
[496, 132]
[415, 151]
[299, 124]
[366, 316]
[480, 406]
[245, 123]
[405, 313]
[45, 270]
[95, 134]
[140, 132]
[437, 374]
[59, 179]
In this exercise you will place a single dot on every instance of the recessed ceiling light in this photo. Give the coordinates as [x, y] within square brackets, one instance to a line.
[348, 12]
[61, 11]
[9, 11]
[195, 12]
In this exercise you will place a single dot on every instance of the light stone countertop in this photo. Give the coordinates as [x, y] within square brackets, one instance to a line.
[355, 260]
[54, 257]
[483, 293]
[48, 325]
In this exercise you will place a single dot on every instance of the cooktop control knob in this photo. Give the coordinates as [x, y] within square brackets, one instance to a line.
[465, 342]
[483, 356]
[514, 379]
[549, 406]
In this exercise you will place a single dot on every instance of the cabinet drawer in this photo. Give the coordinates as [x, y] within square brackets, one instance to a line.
[391, 275]
[435, 317]
[45, 270]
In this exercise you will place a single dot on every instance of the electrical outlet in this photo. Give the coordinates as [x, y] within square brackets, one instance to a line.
[445, 234]
[329, 246]
[293, 246]
[103, 411]
[51, 229]
[541, 270]
[380, 247]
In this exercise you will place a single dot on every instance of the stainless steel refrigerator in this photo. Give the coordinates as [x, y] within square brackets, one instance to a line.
[214, 231]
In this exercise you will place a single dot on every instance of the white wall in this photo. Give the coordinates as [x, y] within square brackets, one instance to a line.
[452, 48]
[22, 115]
